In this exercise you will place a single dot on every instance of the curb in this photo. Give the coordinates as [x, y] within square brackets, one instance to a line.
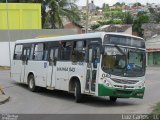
[4, 99]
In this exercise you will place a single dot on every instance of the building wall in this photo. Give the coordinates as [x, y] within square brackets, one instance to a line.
[150, 58]
[20, 16]
[4, 53]
[72, 26]
[154, 58]
[128, 31]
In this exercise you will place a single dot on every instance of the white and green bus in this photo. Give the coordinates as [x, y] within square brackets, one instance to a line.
[98, 64]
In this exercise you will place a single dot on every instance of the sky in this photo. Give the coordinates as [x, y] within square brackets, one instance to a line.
[111, 2]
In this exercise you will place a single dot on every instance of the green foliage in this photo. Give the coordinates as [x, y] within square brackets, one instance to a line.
[114, 14]
[116, 21]
[157, 109]
[95, 26]
[105, 6]
[137, 4]
[119, 4]
[128, 19]
[137, 24]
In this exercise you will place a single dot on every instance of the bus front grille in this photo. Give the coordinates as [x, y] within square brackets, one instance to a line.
[122, 81]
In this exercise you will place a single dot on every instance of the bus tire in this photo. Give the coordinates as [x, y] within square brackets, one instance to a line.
[112, 99]
[31, 83]
[77, 93]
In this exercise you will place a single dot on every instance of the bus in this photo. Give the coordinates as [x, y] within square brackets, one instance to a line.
[98, 64]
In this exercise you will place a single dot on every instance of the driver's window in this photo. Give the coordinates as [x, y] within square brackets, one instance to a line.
[109, 61]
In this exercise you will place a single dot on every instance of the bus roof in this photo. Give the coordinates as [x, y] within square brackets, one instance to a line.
[72, 37]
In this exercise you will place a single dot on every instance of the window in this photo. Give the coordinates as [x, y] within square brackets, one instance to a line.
[18, 52]
[66, 48]
[38, 52]
[79, 49]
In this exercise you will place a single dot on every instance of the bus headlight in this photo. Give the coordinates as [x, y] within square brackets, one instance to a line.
[141, 85]
[107, 83]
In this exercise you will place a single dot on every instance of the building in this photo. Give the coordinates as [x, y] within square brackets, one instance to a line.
[77, 27]
[150, 30]
[20, 16]
[153, 50]
[126, 29]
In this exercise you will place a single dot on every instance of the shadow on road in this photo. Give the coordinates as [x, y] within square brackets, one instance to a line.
[87, 100]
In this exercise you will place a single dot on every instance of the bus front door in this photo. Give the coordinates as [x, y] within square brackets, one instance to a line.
[93, 60]
[51, 77]
[25, 58]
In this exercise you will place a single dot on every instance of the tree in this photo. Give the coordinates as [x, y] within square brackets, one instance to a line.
[117, 4]
[59, 8]
[95, 26]
[137, 24]
[128, 19]
[137, 4]
[105, 6]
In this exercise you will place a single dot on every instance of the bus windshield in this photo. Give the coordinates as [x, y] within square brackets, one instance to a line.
[122, 61]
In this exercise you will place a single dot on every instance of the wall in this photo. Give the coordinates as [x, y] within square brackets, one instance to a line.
[21, 16]
[150, 58]
[4, 53]
[72, 26]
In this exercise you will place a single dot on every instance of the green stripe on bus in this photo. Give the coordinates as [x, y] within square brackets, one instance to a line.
[120, 93]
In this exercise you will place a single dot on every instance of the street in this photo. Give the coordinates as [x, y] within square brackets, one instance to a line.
[59, 102]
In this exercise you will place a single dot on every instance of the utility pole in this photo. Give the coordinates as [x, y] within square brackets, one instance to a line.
[87, 15]
[9, 38]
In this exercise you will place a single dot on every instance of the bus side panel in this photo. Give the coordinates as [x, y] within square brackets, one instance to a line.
[16, 70]
[79, 69]
[39, 69]
[66, 70]
[62, 75]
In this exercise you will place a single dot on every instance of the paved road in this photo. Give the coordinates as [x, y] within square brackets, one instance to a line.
[58, 102]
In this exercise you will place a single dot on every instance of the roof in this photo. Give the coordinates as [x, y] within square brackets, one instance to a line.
[71, 37]
[153, 43]
[114, 28]
[74, 23]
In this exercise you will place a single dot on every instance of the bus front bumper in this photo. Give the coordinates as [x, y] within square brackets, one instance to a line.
[120, 93]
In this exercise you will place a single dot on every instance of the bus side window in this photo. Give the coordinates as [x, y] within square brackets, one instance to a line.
[38, 51]
[65, 50]
[18, 52]
[79, 50]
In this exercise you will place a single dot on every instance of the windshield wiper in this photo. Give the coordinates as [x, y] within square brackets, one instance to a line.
[120, 50]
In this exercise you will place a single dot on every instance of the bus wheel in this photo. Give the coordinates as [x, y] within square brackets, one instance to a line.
[112, 99]
[77, 92]
[31, 83]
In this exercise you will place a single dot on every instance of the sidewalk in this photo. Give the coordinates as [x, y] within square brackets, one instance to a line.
[3, 98]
